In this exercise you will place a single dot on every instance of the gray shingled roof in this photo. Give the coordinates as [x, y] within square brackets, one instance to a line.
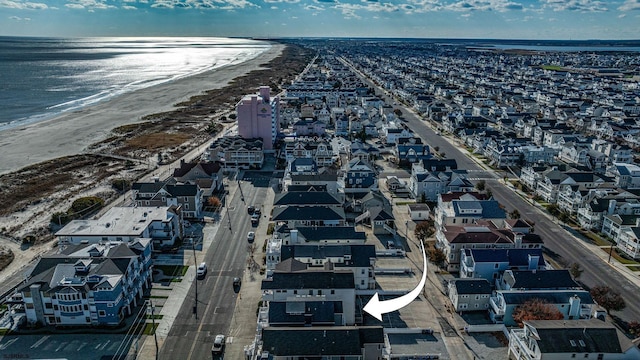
[308, 213]
[306, 198]
[310, 280]
[578, 336]
[331, 233]
[315, 341]
[472, 286]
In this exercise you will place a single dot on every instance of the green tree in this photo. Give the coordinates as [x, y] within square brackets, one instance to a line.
[424, 230]
[121, 185]
[60, 218]
[553, 209]
[536, 309]
[608, 298]
[481, 185]
[514, 214]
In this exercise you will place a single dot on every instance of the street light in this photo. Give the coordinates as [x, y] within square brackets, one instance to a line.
[195, 306]
[153, 321]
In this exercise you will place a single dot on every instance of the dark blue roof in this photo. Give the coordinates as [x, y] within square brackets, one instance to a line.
[310, 280]
[317, 312]
[472, 286]
[515, 257]
[308, 213]
[306, 198]
[313, 341]
[331, 233]
[549, 279]
[361, 255]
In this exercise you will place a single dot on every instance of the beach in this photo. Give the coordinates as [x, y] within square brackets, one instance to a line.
[72, 132]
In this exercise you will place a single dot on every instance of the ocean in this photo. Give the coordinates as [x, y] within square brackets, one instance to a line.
[43, 77]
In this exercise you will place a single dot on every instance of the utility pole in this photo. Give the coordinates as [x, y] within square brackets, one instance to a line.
[610, 251]
[153, 321]
[195, 305]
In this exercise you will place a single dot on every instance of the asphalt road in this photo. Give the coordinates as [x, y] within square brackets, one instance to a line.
[191, 338]
[556, 239]
[565, 248]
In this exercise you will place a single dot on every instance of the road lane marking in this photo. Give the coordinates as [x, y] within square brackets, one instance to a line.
[39, 342]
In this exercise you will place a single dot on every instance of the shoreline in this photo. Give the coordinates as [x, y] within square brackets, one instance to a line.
[72, 132]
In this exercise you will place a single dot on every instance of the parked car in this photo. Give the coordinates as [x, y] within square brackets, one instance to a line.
[251, 209]
[257, 211]
[237, 282]
[251, 236]
[255, 218]
[202, 269]
[218, 345]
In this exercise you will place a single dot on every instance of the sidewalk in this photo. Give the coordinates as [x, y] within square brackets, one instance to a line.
[242, 331]
[632, 276]
[179, 292]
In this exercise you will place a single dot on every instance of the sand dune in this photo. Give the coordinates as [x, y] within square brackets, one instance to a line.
[70, 133]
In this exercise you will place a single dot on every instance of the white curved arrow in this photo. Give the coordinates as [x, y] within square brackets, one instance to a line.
[376, 308]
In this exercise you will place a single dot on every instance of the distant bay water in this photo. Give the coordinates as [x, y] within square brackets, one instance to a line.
[43, 77]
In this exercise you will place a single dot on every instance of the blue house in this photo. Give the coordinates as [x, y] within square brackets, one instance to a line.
[88, 284]
[359, 177]
[491, 263]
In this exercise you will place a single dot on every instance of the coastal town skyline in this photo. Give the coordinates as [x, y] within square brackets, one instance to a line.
[496, 19]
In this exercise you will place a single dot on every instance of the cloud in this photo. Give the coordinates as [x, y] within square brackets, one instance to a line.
[88, 4]
[129, 7]
[22, 5]
[203, 4]
[484, 5]
[282, 1]
[576, 5]
[621, 16]
[630, 5]
[17, 18]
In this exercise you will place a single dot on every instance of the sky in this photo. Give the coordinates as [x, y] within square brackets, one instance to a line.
[496, 19]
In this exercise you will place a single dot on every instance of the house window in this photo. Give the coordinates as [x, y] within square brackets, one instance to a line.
[495, 266]
[102, 313]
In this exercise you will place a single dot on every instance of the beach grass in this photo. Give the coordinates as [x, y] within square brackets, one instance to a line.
[172, 133]
[155, 141]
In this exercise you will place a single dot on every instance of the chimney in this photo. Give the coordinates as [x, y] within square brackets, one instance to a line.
[533, 262]
[612, 207]
[574, 307]
[294, 236]
[518, 240]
